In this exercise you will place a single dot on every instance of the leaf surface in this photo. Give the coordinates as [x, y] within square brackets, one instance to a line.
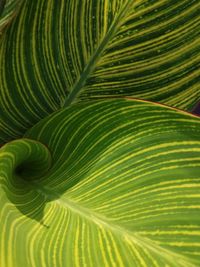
[122, 189]
[60, 52]
[8, 10]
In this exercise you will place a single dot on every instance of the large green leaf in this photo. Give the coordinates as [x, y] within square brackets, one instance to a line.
[122, 190]
[59, 52]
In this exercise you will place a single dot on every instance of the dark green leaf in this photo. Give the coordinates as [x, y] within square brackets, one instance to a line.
[59, 52]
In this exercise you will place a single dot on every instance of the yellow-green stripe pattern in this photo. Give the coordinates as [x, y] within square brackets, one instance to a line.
[123, 189]
[60, 52]
[8, 10]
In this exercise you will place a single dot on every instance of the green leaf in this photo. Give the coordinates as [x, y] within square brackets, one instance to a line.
[59, 52]
[8, 10]
[123, 188]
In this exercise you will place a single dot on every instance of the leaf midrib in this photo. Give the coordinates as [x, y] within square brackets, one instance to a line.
[99, 219]
[75, 91]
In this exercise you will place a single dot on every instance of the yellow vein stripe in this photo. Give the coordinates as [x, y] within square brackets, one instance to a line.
[57, 53]
[8, 10]
[123, 189]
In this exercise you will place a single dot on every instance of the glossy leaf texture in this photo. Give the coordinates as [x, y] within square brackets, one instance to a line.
[8, 11]
[60, 52]
[122, 190]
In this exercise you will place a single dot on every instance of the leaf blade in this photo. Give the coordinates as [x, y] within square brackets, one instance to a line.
[8, 10]
[145, 49]
[122, 190]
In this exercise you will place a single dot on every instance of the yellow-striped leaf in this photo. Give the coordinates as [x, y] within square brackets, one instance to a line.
[123, 189]
[8, 10]
[59, 52]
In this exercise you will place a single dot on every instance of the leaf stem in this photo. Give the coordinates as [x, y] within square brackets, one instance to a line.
[75, 91]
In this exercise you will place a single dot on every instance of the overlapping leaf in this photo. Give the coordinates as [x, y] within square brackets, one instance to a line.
[123, 189]
[58, 52]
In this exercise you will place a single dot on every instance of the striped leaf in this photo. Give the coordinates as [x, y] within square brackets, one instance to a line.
[60, 52]
[8, 10]
[123, 188]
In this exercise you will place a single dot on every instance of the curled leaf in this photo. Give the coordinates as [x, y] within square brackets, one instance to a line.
[123, 190]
